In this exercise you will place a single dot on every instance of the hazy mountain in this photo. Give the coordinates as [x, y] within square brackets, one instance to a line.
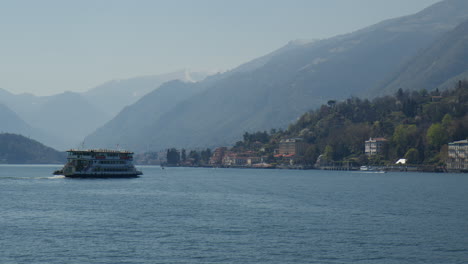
[134, 119]
[65, 119]
[439, 66]
[272, 91]
[261, 61]
[69, 117]
[111, 97]
[23, 104]
[17, 149]
[135, 124]
[11, 122]
[61, 121]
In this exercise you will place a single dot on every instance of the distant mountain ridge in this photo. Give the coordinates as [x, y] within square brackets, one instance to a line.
[132, 119]
[68, 116]
[439, 66]
[274, 90]
[11, 122]
[111, 97]
[65, 119]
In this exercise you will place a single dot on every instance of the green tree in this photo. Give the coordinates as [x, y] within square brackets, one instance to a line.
[436, 135]
[400, 94]
[404, 138]
[412, 156]
[311, 155]
[173, 156]
[205, 155]
[447, 121]
[328, 153]
[195, 156]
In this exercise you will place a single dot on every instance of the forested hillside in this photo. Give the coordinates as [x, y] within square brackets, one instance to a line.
[17, 149]
[418, 125]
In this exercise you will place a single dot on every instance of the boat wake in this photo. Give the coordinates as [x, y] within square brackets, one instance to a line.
[54, 177]
[371, 172]
[32, 178]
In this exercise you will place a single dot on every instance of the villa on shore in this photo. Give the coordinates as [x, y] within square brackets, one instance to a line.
[458, 156]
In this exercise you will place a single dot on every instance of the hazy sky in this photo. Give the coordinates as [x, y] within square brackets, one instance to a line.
[51, 46]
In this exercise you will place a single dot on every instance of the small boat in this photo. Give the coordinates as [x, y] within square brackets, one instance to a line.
[371, 169]
[99, 163]
[364, 168]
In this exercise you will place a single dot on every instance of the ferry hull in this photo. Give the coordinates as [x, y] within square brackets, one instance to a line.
[133, 175]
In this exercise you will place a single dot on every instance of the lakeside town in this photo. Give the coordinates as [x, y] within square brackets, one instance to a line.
[410, 131]
[290, 155]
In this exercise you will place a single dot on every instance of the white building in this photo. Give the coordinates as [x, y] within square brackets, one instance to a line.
[458, 156]
[374, 146]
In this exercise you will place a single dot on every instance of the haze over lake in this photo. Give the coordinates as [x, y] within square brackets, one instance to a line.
[212, 89]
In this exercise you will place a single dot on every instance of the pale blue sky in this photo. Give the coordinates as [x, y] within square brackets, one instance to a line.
[50, 46]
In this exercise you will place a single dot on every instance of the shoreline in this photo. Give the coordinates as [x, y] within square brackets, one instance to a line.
[422, 168]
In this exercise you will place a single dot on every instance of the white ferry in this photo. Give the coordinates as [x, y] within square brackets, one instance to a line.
[99, 163]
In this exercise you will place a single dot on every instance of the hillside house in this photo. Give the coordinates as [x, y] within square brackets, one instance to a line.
[292, 147]
[374, 146]
[218, 155]
[240, 159]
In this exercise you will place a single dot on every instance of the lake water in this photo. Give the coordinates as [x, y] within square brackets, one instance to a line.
[188, 215]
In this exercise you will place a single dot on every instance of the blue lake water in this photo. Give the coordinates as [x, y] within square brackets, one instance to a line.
[188, 215]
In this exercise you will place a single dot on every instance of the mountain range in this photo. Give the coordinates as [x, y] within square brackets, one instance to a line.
[11, 122]
[439, 66]
[274, 90]
[111, 97]
[131, 121]
[63, 120]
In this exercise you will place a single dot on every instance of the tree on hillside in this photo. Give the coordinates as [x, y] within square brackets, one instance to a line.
[412, 156]
[403, 138]
[311, 155]
[328, 153]
[436, 136]
[173, 156]
[205, 155]
[195, 156]
[183, 155]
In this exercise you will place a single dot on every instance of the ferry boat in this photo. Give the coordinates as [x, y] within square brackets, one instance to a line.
[99, 163]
